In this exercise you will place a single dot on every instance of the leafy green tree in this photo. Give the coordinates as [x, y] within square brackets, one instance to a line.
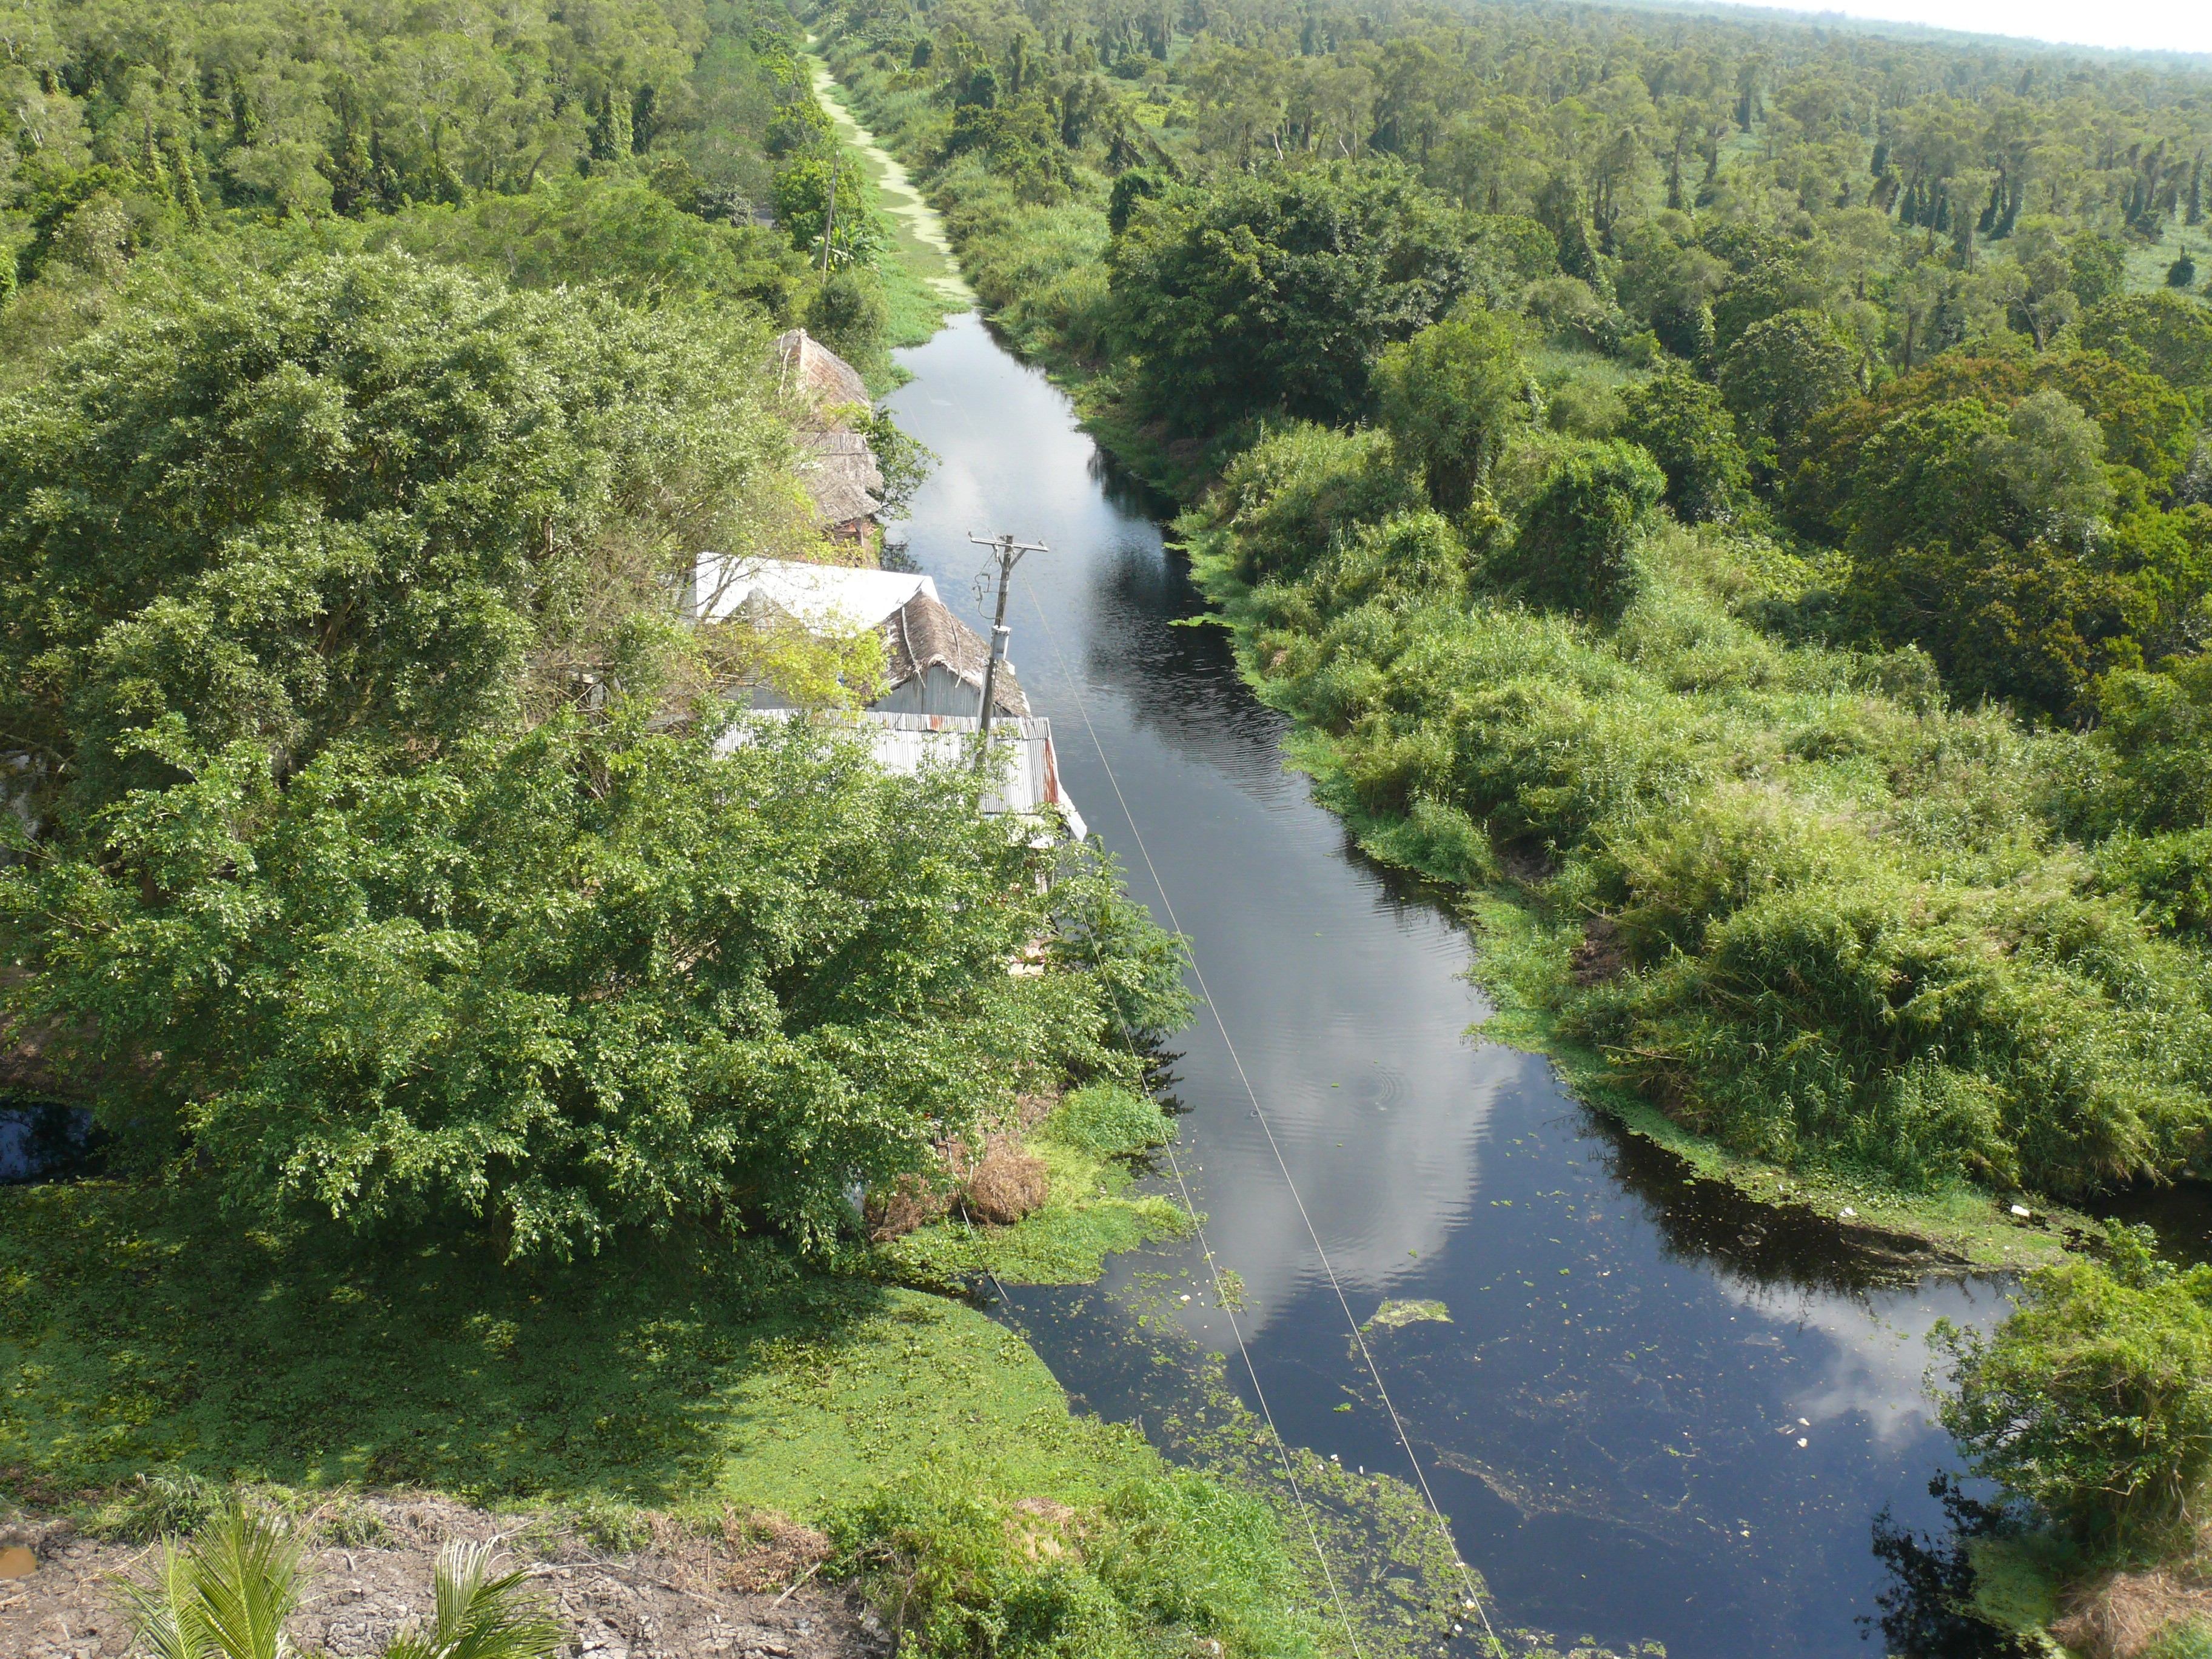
[2168, 332]
[1278, 293]
[1136, 185]
[589, 980]
[802, 190]
[627, 236]
[848, 313]
[2158, 729]
[2093, 1399]
[1577, 536]
[1452, 396]
[2035, 625]
[1785, 278]
[2051, 463]
[1783, 371]
[2099, 266]
[1923, 476]
[1687, 429]
[368, 500]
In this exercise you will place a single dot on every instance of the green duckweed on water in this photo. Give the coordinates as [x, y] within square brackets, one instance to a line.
[1392, 1313]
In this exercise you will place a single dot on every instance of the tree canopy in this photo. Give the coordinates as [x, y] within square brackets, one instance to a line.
[567, 982]
[365, 501]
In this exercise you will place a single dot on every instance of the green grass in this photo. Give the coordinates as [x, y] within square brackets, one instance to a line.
[2147, 262]
[142, 1335]
[141, 1332]
[1091, 1213]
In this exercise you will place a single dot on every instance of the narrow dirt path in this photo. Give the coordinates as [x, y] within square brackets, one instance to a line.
[914, 218]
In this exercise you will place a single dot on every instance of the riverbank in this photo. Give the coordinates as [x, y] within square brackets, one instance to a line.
[683, 1385]
[1037, 269]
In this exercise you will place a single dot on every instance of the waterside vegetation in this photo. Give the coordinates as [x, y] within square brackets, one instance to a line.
[1732, 499]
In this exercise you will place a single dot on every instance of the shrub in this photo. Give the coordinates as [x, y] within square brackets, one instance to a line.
[2093, 1399]
[1451, 395]
[1108, 1121]
[1783, 371]
[1293, 496]
[1691, 434]
[1573, 552]
[848, 313]
[1173, 1563]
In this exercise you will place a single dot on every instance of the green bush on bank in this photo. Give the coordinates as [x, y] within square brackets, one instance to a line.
[1163, 1567]
[2093, 1399]
[1846, 925]
[1108, 1121]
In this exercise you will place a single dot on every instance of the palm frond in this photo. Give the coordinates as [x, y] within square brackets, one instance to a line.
[223, 1595]
[164, 1616]
[246, 1570]
[479, 1616]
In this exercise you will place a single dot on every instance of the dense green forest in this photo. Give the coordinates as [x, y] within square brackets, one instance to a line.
[1733, 496]
[669, 152]
[490, 1061]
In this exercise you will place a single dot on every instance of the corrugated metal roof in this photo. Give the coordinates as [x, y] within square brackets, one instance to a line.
[819, 595]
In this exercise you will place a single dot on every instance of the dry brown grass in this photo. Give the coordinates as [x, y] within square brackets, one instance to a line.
[772, 1552]
[2119, 1617]
[1007, 1184]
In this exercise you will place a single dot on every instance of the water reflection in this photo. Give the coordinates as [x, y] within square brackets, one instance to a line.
[1653, 1410]
[45, 1140]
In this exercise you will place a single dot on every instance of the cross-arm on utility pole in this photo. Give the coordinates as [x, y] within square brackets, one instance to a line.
[1007, 553]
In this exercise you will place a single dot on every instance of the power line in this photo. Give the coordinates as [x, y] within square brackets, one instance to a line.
[1443, 1526]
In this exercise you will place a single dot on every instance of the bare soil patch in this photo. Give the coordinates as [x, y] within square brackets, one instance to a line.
[682, 1596]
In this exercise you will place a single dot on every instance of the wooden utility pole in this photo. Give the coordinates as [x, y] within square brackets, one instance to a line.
[1006, 553]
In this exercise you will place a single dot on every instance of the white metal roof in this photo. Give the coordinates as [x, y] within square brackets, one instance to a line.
[1027, 769]
[818, 595]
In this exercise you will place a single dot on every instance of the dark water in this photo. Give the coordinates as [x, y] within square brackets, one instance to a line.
[45, 1140]
[1613, 1417]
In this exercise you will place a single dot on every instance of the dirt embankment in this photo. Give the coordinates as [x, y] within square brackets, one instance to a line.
[682, 1596]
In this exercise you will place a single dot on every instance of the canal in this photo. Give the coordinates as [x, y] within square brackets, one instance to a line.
[1651, 1410]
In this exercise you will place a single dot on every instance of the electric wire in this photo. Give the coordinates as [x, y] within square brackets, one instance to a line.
[1473, 1599]
[1221, 1302]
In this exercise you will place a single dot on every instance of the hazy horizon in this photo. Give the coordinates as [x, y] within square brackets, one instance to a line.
[2126, 25]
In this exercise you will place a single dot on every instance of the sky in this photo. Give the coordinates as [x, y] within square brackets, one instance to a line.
[2163, 25]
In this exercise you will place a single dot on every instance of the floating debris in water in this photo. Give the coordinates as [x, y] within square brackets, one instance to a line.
[1391, 1315]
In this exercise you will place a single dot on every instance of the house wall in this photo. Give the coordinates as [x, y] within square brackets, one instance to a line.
[936, 691]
